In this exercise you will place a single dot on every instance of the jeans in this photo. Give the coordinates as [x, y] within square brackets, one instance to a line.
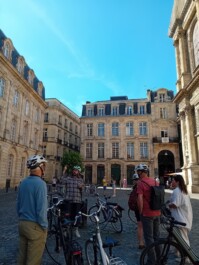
[151, 233]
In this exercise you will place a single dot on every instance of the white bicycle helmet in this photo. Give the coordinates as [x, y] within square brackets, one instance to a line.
[135, 176]
[142, 167]
[77, 168]
[34, 161]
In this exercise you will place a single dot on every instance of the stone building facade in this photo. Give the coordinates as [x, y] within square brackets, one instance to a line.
[61, 133]
[119, 133]
[22, 106]
[184, 30]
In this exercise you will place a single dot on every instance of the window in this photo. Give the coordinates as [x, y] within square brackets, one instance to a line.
[130, 150]
[44, 150]
[25, 134]
[129, 129]
[60, 120]
[76, 129]
[163, 113]
[13, 130]
[89, 150]
[2, 87]
[142, 109]
[115, 150]
[100, 150]
[22, 168]
[115, 129]
[37, 115]
[10, 165]
[115, 111]
[46, 117]
[7, 50]
[45, 134]
[20, 65]
[27, 108]
[90, 129]
[196, 43]
[101, 111]
[71, 126]
[90, 112]
[143, 128]
[66, 123]
[101, 129]
[143, 150]
[162, 97]
[16, 99]
[129, 110]
[30, 77]
[164, 133]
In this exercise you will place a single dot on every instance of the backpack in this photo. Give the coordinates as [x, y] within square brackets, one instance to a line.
[132, 201]
[156, 196]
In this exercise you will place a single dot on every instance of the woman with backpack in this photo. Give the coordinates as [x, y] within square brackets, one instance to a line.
[133, 206]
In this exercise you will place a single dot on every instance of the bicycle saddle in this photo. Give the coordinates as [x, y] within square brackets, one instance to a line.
[110, 242]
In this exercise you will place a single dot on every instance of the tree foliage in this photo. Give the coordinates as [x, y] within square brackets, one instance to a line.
[71, 159]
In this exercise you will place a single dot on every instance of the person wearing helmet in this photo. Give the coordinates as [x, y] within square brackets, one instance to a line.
[32, 213]
[74, 186]
[150, 218]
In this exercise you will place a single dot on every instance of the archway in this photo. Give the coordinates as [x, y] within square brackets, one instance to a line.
[88, 174]
[116, 173]
[166, 164]
[100, 173]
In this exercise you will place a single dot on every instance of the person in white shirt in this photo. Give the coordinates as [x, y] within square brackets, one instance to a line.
[180, 206]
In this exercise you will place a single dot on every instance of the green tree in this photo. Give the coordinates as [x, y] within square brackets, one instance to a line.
[71, 159]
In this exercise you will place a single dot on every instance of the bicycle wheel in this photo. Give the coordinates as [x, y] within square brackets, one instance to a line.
[131, 215]
[116, 221]
[100, 215]
[163, 253]
[54, 246]
[89, 251]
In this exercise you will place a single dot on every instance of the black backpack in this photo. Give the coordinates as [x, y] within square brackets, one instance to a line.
[157, 196]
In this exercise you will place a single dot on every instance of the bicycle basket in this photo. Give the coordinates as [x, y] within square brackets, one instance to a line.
[117, 261]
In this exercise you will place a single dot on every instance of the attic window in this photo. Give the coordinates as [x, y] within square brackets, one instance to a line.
[7, 50]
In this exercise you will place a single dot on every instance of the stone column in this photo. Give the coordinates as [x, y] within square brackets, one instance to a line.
[190, 135]
[178, 65]
[183, 131]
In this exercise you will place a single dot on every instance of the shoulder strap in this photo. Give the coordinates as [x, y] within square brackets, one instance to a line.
[145, 183]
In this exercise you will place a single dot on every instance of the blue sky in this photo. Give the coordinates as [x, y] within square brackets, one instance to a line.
[89, 50]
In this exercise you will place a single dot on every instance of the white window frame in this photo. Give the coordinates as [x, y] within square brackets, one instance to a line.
[101, 127]
[129, 129]
[2, 87]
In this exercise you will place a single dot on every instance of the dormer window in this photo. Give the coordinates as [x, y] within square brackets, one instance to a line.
[40, 88]
[30, 77]
[7, 50]
[20, 65]
[142, 109]
[90, 112]
[162, 97]
[115, 110]
[129, 110]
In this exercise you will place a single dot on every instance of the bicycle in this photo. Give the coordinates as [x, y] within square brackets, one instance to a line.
[60, 245]
[171, 250]
[131, 215]
[110, 213]
[90, 189]
[95, 249]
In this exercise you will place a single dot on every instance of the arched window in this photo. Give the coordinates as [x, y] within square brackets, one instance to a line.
[30, 77]
[196, 43]
[20, 65]
[27, 108]
[7, 50]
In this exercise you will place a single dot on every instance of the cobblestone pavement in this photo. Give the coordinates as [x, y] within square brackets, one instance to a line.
[128, 250]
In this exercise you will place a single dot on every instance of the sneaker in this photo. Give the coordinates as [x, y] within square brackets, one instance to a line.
[77, 232]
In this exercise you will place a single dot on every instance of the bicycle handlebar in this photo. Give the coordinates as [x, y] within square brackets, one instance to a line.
[167, 213]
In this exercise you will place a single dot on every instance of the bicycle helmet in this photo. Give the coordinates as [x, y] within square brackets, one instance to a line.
[142, 167]
[135, 176]
[77, 168]
[34, 161]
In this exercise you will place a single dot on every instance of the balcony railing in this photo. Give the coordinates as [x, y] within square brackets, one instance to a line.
[166, 140]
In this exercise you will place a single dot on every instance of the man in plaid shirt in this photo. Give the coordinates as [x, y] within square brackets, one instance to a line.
[74, 185]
